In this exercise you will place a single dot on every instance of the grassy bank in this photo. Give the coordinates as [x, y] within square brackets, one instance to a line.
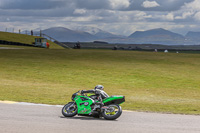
[158, 82]
[22, 38]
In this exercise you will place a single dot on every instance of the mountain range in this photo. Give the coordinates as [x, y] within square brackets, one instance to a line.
[153, 36]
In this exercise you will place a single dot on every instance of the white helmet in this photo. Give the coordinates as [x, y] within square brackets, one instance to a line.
[100, 87]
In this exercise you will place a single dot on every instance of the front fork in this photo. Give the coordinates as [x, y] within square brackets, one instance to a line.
[72, 104]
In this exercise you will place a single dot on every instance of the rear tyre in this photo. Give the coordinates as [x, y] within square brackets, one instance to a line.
[69, 110]
[113, 112]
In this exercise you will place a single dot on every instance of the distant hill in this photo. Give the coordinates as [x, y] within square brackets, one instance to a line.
[66, 35]
[153, 36]
[98, 33]
[195, 36]
[157, 36]
[156, 33]
[82, 34]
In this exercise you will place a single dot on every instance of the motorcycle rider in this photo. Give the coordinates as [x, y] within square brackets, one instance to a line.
[99, 93]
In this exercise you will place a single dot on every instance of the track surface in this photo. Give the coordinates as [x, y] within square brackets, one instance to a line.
[18, 118]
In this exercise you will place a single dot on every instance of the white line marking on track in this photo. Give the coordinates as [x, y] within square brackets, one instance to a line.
[8, 102]
[38, 104]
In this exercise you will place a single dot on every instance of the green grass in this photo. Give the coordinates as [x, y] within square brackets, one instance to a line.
[156, 82]
[22, 38]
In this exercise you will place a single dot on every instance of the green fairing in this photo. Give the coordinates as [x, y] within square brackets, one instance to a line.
[86, 109]
[113, 98]
[82, 109]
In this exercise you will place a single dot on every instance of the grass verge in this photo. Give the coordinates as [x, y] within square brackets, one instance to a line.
[156, 82]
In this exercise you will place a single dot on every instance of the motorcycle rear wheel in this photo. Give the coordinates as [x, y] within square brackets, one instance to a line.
[69, 110]
[113, 112]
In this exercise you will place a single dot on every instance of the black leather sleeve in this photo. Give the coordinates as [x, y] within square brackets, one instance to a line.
[87, 91]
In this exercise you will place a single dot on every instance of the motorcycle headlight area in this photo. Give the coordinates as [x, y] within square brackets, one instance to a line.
[73, 96]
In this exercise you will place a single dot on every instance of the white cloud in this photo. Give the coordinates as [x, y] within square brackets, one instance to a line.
[168, 17]
[195, 5]
[119, 4]
[141, 16]
[194, 9]
[80, 11]
[197, 16]
[185, 15]
[150, 4]
[120, 16]
[190, 11]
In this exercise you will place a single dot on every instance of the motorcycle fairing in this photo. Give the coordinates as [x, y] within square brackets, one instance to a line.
[84, 104]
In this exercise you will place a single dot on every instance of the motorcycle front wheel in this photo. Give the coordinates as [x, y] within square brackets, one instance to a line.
[69, 110]
[113, 112]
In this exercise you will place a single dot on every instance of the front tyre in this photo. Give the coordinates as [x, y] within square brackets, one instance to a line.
[113, 112]
[69, 110]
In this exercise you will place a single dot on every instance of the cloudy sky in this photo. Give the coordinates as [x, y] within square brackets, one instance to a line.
[117, 16]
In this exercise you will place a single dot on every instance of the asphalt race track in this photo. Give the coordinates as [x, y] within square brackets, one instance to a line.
[25, 118]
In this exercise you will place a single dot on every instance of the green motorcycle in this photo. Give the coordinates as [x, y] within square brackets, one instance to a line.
[93, 105]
